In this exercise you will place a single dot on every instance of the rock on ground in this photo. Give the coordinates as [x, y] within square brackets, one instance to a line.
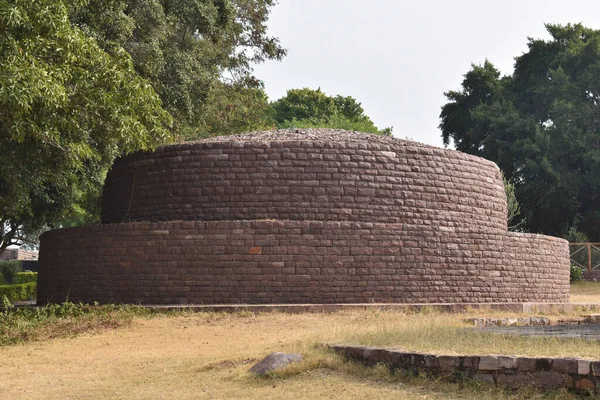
[273, 362]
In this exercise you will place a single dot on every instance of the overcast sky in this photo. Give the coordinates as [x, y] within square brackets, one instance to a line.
[398, 57]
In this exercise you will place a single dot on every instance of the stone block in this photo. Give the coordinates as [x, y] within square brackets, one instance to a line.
[583, 367]
[485, 377]
[565, 365]
[595, 367]
[489, 363]
[549, 379]
[508, 362]
[448, 363]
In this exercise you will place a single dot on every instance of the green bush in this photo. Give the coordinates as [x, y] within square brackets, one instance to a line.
[576, 273]
[25, 277]
[9, 269]
[19, 292]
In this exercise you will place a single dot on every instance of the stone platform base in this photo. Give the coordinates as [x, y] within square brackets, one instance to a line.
[409, 308]
[526, 308]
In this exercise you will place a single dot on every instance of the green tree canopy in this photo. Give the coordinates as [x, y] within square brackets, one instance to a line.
[235, 107]
[541, 125]
[68, 108]
[193, 52]
[307, 108]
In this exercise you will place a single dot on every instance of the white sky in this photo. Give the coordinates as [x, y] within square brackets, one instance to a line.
[398, 57]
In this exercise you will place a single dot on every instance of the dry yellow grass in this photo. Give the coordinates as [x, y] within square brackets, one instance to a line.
[585, 292]
[206, 356]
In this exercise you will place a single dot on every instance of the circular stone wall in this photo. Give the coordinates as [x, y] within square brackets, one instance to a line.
[310, 216]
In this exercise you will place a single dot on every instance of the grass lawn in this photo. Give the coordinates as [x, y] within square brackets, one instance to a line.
[585, 292]
[81, 352]
[207, 356]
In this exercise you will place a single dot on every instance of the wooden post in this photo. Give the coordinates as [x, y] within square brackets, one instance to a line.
[589, 249]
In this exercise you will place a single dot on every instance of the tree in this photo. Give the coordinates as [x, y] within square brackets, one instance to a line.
[307, 108]
[68, 108]
[513, 210]
[541, 125]
[234, 107]
[194, 52]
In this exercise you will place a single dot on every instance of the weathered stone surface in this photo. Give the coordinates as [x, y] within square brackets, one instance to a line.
[355, 352]
[400, 359]
[314, 216]
[584, 384]
[489, 363]
[510, 380]
[583, 367]
[433, 362]
[549, 379]
[484, 377]
[537, 321]
[565, 365]
[513, 372]
[543, 364]
[521, 321]
[376, 356]
[526, 364]
[508, 362]
[595, 366]
[448, 363]
[273, 362]
[470, 363]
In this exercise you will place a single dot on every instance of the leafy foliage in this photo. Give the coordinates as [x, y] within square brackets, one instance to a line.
[19, 291]
[19, 325]
[541, 126]
[307, 108]
[185, 48]
[86, 80]
[25, 277]
[512, 205]
[576, 273]
[234, 108]
[68, 108]
[9, 270]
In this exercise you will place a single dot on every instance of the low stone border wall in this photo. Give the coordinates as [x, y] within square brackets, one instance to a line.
[516, 321]
[512, 372]
[533, 321]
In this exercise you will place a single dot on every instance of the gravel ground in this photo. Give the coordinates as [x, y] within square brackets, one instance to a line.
[312, 134]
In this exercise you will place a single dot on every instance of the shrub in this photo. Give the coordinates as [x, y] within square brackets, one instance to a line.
[62, 320]
[25, 277]
[576, 273]
[9, 269]
[19, 292]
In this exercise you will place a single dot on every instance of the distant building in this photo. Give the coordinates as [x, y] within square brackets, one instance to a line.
[19, 254]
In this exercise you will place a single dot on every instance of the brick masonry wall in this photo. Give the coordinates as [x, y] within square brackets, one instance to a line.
[311, 216]
[305, 180]
[264, 262]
